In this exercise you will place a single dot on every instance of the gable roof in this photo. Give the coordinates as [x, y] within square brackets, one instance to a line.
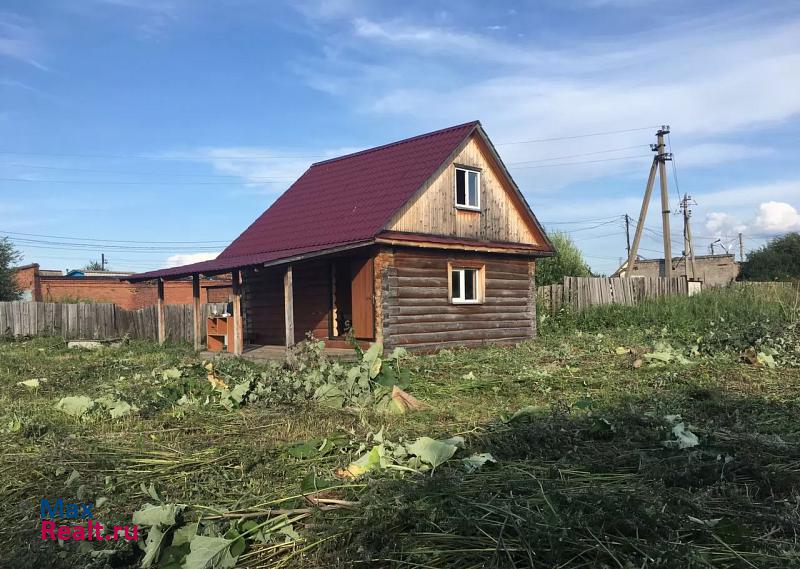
[336, 203]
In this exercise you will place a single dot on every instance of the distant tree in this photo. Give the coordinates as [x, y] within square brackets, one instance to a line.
[778, 260]
[94, 266]
[9, 256]
[568, 262]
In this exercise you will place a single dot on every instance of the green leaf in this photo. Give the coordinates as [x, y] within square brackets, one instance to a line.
[76, 405]
[184, 534]
[477, 461]
[171, 373]
[387, 377]
[329, 395]
[150, 515]
[238, 393]
[372, 353]
[155, 539]
[397, 353]
[431, 451]
[206, 552]
[369, 461]
[684, 438]
[32, 383]
[115, 407]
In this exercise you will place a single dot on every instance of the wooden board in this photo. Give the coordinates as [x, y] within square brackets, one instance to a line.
[363, 289]
[501, 217]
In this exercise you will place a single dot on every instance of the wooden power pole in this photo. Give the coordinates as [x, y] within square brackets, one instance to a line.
[741, 249]
[628, 234]
[688, 245]
[659, 163]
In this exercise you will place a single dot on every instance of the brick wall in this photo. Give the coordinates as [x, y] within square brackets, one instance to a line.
[27, 281]
[713, 270]
[130, 296]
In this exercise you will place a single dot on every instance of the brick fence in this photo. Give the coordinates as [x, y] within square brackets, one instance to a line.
[40, 287]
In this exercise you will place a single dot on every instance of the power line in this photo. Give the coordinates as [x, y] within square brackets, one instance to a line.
[204, 158]
[113, 240]
[575, 136]
[132, 173]
[243, 179]
[582, 162]
[575, 155]
[72, 246]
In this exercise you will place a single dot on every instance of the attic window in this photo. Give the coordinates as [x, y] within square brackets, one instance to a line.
[468, 185]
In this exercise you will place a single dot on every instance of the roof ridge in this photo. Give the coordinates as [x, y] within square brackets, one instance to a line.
[397, 142]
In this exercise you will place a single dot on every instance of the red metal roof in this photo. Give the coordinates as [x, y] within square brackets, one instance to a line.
[337, 202]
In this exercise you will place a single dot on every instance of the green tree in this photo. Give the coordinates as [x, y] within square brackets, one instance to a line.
[568, 261]
[778, 260]
[94, 266]
[9, 256]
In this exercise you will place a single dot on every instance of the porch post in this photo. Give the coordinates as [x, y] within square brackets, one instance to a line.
[288, 306]
[196, 322]
[162, 325]
[238, 329]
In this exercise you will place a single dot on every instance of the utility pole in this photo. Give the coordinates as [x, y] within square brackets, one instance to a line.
[688, 246]
[659, 163]
[628, 233]
[741, 249]
[102, 261]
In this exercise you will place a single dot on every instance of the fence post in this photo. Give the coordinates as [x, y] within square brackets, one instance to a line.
[160, 313]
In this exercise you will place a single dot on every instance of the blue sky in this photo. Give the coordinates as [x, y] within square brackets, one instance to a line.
[145, 121]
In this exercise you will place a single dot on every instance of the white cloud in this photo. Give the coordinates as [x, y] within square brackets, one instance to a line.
[712, 85]
[187, 258]
[721, 224]
[266, 169]
[20, 40]
[777, 217]
[712, 153]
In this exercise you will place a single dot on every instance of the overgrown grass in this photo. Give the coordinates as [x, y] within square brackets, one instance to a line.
[731, 318]
[582, 478]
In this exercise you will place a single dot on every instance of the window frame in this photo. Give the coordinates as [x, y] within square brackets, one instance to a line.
[466, 170]
[480, 282]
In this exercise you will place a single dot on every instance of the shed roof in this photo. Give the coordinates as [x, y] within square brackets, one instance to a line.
[336, 203]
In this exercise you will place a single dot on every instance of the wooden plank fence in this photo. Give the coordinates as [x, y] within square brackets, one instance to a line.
[581, 292]
[98, 321]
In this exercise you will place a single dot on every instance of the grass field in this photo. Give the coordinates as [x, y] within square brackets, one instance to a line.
[589, 464]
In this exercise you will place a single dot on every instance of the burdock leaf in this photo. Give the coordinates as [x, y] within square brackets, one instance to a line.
[76, 405]
[431, 451]
[329, 395]
[476, 461]
[155, 538]
[150, 515]
[206, 551]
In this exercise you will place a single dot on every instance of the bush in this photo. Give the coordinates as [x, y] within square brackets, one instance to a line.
[778, 260]
[568, 262]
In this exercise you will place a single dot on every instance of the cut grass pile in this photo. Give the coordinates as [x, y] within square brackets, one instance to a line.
[576, 423]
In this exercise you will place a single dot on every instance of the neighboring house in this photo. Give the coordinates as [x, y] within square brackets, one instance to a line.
[91, 273]
[424, 243]
[98, 286]
[712, 270]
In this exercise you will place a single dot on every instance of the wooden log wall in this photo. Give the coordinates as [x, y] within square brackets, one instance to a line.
[262, 302]
[416, 311]
[97, 321]
[581, 292]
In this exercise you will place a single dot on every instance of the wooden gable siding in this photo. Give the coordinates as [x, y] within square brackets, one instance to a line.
[416, 312]
[263, 303]
[432, 210]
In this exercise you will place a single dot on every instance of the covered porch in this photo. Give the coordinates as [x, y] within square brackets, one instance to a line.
[274, 306]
